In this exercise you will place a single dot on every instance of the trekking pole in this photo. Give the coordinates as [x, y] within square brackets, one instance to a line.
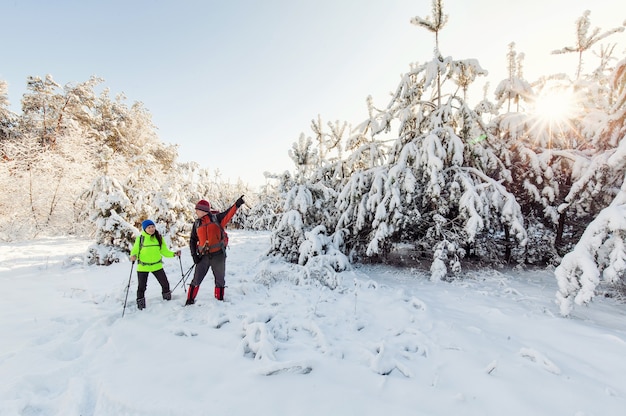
[184, 276]
[128, 287]
[181, 274]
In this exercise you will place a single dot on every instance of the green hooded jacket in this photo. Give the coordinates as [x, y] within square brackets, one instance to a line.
[149, 258]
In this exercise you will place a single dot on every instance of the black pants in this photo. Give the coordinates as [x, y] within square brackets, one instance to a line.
[142, 278]
[216, 262]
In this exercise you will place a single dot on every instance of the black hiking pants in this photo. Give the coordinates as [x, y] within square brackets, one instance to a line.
[215, 262]
[142, 278]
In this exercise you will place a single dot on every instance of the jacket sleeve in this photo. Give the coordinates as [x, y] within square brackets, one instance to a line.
[135, 250]
[165, 251]
[193, 240]
[225, 217]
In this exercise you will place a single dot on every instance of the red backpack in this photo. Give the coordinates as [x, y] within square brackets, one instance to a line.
[211, 235]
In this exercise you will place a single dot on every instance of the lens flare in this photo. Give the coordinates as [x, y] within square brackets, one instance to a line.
[555, 106]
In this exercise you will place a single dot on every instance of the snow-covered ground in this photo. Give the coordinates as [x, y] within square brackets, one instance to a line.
[388, 342]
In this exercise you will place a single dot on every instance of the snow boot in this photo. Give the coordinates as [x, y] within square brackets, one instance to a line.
[167, 295]
[191, 294]
[219, 293]
[141, 303]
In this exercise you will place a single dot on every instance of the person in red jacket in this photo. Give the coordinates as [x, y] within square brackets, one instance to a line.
[208, 243]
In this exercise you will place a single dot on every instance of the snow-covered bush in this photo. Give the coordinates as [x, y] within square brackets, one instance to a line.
[321, 249]
[445, 259]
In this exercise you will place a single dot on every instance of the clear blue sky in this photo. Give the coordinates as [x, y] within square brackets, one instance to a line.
[234, 83]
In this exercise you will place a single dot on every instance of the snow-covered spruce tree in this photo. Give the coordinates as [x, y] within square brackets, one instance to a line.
[139, 161]
[530, 171]
[514, 89]
[298, 203]
[595, 129]
[322, 250]
[365, 169]
[548, 144]
[288, 233]
[440, 184]
[301, 234]
[153, 191]
[600, 126]
[108, 208]
[171, 212]
[601, 251]
[585, 40]
[366, 149]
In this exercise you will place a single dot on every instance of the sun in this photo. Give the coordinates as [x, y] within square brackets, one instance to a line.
[553, 116]
[555, 106]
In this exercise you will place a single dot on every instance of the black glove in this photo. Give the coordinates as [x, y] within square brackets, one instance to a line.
[239, 202]
[196, 259]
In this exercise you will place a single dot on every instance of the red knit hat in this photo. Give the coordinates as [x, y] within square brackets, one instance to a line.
[203, 205]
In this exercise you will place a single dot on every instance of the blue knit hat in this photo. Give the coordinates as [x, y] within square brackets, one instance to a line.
[146, 223]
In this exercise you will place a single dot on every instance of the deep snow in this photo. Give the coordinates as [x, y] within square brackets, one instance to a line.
[388, 341]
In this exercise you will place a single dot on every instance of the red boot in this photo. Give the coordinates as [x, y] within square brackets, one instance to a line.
[219, 293]
[191, 294]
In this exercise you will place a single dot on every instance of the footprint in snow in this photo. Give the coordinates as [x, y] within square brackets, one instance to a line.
[537, 357]
[287, 368]
[185, 333]
[219, 321]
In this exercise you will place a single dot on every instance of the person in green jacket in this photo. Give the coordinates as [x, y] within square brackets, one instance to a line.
[148, 250]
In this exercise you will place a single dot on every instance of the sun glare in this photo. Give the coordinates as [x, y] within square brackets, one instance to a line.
[555, 106]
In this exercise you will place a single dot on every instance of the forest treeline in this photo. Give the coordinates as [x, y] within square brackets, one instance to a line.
[427, 179]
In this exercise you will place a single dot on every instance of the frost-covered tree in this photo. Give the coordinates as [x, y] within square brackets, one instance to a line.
[20, 197]
[301, 233]
[585, 40]
[7, 118]
[267, 208]
[601, 251]
[50, 159]
[434, 23]
[530, 176]
[299, 202]
[108, 207]
[172, 212]
[189, 183]
[67, 137]
[129, 132]
[548, 144]
[600, 254]
[514, 89]
[440, 182]
[40, 186]
[40, 109]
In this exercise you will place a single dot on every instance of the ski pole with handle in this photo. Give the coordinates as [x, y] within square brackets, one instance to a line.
[128, 287]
